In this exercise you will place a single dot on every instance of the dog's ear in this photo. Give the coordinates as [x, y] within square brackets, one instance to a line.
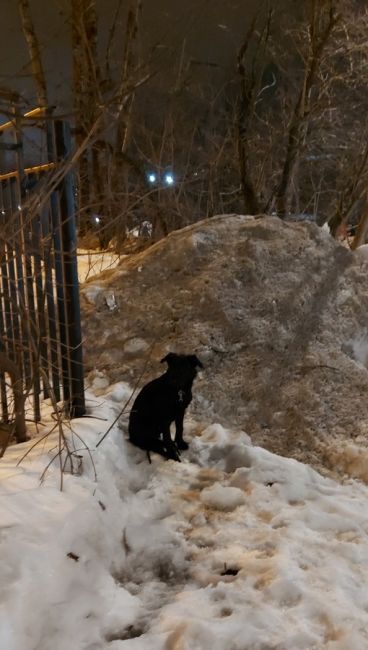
[169, 358]
[195, 361]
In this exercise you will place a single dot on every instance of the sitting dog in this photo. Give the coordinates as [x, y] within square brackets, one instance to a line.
[161, 402]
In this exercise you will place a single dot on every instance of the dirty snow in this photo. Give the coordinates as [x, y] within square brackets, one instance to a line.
[235, 548]
[276, 311]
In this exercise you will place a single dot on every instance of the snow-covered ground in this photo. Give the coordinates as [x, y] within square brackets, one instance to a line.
[91, 264]
[233, 549]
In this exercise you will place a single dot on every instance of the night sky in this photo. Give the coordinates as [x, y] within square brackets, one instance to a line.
[212, 29]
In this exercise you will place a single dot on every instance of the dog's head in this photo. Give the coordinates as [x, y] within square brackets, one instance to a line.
[182, 368]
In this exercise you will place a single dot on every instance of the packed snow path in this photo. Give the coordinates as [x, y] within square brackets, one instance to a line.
[234, 548]
[257, 556]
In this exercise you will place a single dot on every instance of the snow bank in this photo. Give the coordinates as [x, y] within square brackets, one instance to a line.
[60, 550]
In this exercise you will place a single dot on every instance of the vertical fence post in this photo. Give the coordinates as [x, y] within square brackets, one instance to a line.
[31, 376]
[6, 296]
[48, 259]
[71, 284]
[55, 220]
[3, 391]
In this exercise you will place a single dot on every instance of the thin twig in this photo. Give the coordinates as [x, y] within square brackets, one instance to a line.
[35, 445]
[131, 395]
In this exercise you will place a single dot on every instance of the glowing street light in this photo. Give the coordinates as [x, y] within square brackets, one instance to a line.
[169, 179]
[152, 178]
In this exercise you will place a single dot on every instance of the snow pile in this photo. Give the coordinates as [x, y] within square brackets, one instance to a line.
[208, 553]
[362, 253]
[276, 311]
[222, 498]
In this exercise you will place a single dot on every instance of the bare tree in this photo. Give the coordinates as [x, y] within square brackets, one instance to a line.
[290, 136]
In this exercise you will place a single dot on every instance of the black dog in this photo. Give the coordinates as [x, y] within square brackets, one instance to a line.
[161, 402]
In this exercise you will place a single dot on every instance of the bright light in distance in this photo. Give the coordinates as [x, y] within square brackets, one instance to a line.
[152, 178]
[97, 219]
[169, 178]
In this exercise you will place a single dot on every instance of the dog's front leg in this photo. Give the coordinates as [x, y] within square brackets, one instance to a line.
[170, 446]
[179, 425]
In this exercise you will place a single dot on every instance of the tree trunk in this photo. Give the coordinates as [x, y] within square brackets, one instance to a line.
[249, 86]
[34, 52]
[86, 78]
[13, 371]
[361, 232]
[318, 39]
[126, 98]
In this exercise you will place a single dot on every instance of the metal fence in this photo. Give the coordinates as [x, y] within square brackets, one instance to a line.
[40, 326]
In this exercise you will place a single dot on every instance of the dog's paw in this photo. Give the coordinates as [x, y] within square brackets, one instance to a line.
[181, 444]
[173, 457]
[173, 454]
